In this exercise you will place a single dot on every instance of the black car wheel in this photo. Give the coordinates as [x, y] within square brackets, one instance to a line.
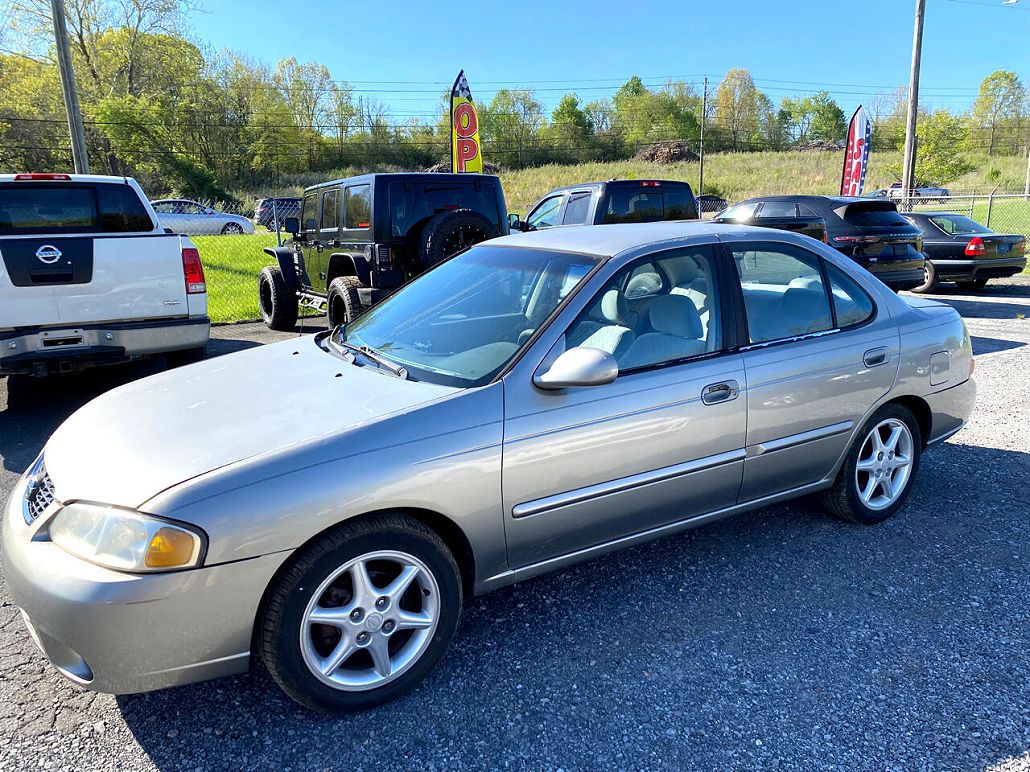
[277, 302]
[343, 302]
[360, 616]
[931, 281]
[877, 473]
[452, 232]
[232, 229]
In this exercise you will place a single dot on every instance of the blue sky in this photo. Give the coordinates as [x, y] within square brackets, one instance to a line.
[790, 46]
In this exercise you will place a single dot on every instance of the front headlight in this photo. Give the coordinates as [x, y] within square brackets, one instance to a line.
[125, 540]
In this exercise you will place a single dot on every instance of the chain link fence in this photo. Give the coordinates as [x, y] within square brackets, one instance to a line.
[1001, 212]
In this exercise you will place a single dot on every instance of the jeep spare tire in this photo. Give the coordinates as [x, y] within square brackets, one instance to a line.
[451, 232]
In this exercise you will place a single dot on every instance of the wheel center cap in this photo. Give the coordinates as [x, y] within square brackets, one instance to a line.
[373, 622]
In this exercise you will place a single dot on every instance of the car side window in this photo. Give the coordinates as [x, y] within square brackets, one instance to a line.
[783, 290]
[851, 304]
[778, 209]
[357, 205]
[546, 214]
[309, 214]
[577, 209]
[331, 210]
[678, 318]
[739, 213]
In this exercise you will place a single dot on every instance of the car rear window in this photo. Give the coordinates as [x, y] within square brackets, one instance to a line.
[649, 204]
[31, 207]
[413, 204]
[958, 224]
[873, 214]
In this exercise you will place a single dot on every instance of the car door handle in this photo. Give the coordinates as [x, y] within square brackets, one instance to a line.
[875, 356]
[715, 393]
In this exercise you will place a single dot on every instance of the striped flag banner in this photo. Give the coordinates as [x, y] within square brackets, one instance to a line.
[856, 154]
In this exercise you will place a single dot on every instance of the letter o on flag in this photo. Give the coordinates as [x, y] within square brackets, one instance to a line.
[465, 123]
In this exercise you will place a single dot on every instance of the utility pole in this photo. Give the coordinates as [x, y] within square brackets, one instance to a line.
[909, 168]
[701, 144]
[1026, 189]
[70, 89]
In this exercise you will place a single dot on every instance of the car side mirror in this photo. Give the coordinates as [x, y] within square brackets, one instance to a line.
[580, 366]
[291, 225]
[514, 223]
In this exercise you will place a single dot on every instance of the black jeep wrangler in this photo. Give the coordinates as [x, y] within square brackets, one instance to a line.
[359, 239]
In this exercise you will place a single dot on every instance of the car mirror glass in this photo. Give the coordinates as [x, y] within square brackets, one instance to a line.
[580, 366]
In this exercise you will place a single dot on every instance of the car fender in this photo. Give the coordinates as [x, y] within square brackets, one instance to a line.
[287, 260]
[350, 264]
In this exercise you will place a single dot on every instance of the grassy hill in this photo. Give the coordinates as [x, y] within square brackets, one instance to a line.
[739, 175]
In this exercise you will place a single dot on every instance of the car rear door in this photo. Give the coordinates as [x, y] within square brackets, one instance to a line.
[78, 252]
[818, 354]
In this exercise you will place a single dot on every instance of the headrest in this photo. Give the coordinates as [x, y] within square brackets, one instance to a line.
[610, 308]
[682, 270]
[676, 315]
[644, 284]
[806, 282]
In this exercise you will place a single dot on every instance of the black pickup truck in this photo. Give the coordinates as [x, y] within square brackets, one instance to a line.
[359, 239]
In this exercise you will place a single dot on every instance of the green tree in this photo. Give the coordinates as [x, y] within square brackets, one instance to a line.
[509, 126]
[939, 138]
[828, 121]
[1000, 105]
[570, 133]
[736, 107]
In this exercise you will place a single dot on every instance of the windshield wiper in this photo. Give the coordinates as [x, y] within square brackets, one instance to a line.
[375, 356]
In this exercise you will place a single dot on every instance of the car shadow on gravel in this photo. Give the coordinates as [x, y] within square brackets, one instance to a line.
[778, 638]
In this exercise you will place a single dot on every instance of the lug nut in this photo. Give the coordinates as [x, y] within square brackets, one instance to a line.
[382, 603]
[362, 637]
[355, 615]
[388, 626]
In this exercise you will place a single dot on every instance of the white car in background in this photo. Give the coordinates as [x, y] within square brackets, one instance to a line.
[191, 218]
[88, 276]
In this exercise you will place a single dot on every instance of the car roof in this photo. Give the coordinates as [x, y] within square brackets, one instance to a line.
[398, 176]
[833, 201]
[597, 183]
[611, 240]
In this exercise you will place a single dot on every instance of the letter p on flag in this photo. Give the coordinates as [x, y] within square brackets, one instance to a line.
[465, 153]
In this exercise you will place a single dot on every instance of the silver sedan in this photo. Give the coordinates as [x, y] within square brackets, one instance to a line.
[325, 503]
[191, 218]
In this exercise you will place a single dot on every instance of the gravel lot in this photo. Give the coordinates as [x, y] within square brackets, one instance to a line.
[780, 639]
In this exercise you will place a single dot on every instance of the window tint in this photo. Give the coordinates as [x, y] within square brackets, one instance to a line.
[357, 201]
[70, 208]
[873, 214]
[738, 213]
[309, 213]
[956, 223]
[676, 319]
[412, 204]
[545, 215]
[121, 210]
[806, 211]
[778, 209]
[679, 204]
[783, 289]
[633, 205]
[850, 302]
[576, 210]
[330, 210]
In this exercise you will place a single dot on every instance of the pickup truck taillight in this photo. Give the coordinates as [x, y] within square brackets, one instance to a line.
[193, 271]
[975, 247]
[384, 256]
[40, 176]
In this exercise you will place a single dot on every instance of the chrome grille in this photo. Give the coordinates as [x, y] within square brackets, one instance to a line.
[39, 495]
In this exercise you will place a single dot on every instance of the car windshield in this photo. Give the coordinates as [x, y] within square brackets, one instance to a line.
[958, 224]
[462, 322]
[738, 213]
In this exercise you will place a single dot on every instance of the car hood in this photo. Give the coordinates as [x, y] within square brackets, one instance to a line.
[137, 440]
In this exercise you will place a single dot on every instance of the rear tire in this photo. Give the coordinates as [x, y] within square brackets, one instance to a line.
[975, 284]
[232, 229]
[345, 577]
[278, 303]
[449, 233]
[876, 477]
[932, 282]
[343, 304]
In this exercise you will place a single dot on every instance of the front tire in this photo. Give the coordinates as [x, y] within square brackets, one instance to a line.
[878, 471]
[931, 281]
[278, 304]
[343, 304]
[361, 615]
[232, 229]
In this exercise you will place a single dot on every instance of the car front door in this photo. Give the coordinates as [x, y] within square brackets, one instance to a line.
[328, 234]
[545, 214]
[818, 355]
[662, 443]
[307, 244]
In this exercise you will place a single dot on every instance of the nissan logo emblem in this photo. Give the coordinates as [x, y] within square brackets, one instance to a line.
[48, 254]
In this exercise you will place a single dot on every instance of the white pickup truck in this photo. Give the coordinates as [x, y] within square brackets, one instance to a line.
[88, 276]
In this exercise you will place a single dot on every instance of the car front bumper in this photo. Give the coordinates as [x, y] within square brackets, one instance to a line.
[123, 633]
[970, 270]
[72, 347]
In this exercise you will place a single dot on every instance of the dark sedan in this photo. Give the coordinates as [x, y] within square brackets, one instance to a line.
[960, 249]
[869, 231]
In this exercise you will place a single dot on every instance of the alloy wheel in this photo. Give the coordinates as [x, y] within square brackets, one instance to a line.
[370, 620]
[884, 465]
